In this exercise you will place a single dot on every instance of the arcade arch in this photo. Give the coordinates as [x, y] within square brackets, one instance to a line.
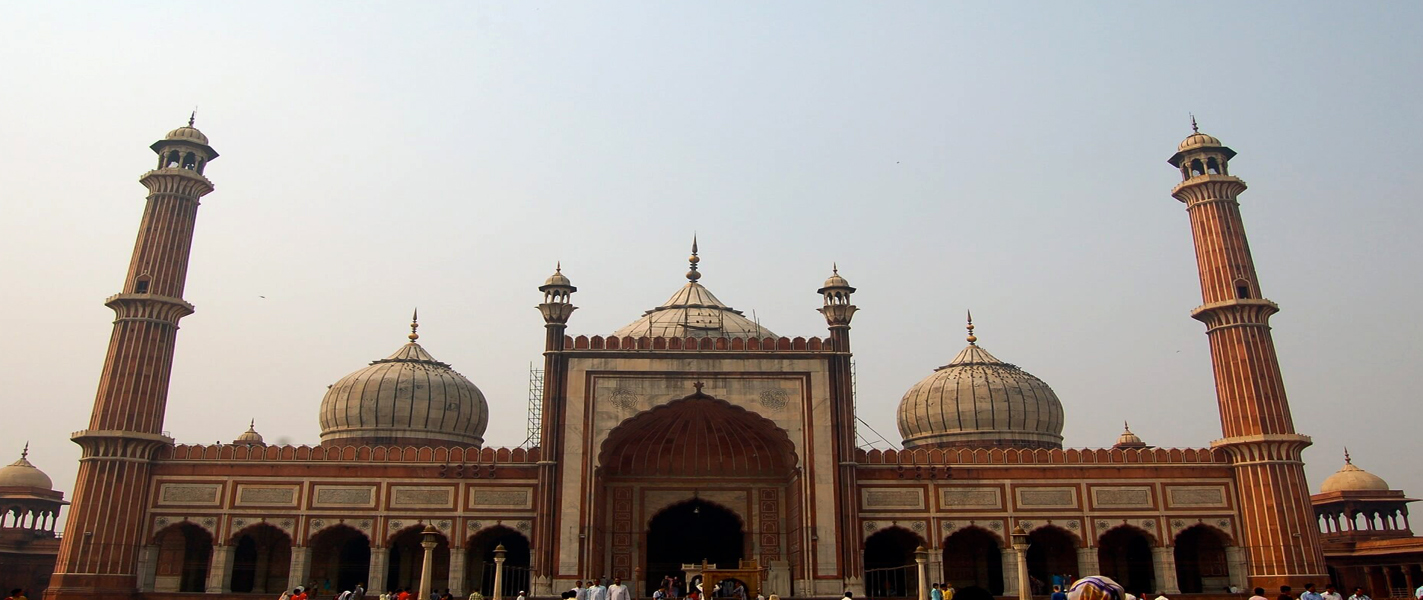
[340, 555]
[973, 557]
[690, 532]
[479, 561]
[1124, 554]
[407, 557]
[890, 570]
[1052, 558]
[261, 560]
[1201, 562]
[184, 552]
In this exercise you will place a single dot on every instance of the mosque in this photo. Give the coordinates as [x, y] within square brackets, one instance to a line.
[694, 422]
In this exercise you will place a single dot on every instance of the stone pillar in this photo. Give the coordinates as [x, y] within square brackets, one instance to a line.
[1087, 563]
[427, 562]
[380, 563]
[147, 567]
[220, 570]
[921, 562]
[300, 567]
[457, 572]
[1163, 562]
[1010, 571]
[1237, 567]
[499, 571]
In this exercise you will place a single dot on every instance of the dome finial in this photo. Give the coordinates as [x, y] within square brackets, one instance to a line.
[558, 267]
[1126, 426]
[693, 275]
[414, 325]
[972, 339]
[1195, 128]
[25, 454]
[193, 117]
[1347, 460]
[835, 268]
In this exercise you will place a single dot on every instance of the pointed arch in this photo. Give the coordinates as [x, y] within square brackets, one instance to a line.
[973, 557]
[184, 552]
[1124, 554]
[340, 554]
[406, 557]
[261, 559]
[479, 559]
[1201, 562]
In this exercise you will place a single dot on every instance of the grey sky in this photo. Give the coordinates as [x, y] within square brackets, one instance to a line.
[1008, 158]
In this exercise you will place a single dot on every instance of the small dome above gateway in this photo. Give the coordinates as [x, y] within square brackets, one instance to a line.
[694, 312]
[1128, 439]
[1350, 478]
[23, 474]
[188, 132]
[250, 437]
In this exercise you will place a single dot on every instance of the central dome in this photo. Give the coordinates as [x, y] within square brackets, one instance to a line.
[407, 398]
[694, 312]
[979, 401]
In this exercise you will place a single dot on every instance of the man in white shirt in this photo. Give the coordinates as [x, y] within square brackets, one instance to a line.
[1330, 593]
[618, 591]
[1359, 595]
[598, 591]
[579, 592]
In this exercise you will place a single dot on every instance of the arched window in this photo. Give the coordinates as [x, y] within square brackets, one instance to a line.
[1212, 166]
[190, 161]
[1124, 554]
[141, 285]
[173, 159]
[1242, 288]
[1196, 168]
[973, 558]
[1200, 560]
[184, 551]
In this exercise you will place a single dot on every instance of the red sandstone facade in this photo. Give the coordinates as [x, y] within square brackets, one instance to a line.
[744, 437]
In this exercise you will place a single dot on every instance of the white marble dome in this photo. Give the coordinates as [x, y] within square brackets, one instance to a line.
[979, 401]
[23, 474]
[1350, 478]
[407, 398]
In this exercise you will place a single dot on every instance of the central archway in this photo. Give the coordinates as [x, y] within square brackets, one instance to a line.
[690, 532]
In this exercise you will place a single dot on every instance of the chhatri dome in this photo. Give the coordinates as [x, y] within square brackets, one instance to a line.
[1350, 478]
[250, 437]
[694, 312]
[23, 474]
[979, 401]
[407, 398]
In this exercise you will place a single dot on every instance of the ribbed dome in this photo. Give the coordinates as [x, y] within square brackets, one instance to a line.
[979, 401]
[1353, 479]
[1197, 140]
[1128, 439]
[694, 312]
[250, 437]
[406, 398]
[23, 474]
[188, 133]
[558, 279]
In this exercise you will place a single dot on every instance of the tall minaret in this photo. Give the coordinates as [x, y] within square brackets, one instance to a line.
[99, 553]
[1279, 530]
[556, 308]
[838, 313]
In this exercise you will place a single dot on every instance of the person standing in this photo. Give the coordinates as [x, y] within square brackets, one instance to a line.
[579, 592]
[1057, 593]
[1330, 593]
[618, 591]
[1259, 594]
[1359, 595]
[598, 591]
[935, 592]
[1285, 593]
[949, 591]
[1309, 593]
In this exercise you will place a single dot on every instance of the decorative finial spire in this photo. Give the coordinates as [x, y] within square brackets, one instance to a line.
[414, 325]
[693, 275]
[252, 425]
[835, 268]
[1126, 426]
[1194, 128]
[193, 117]
[558, 267]
[1347, 460]
[25, 454]
[972, 339]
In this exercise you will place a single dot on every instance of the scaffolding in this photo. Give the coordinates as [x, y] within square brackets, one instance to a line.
[878, 442]
[536, 407]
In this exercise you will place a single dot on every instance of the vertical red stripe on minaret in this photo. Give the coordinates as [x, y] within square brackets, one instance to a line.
[1278, 528]
[98, 556]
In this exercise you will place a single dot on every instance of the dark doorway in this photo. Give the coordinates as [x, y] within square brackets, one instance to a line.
[974, 557]
[1125, 556]
[340, 559]
[890, 570]
[1200, 560]
[1052, 559]
[479, 562]
[688, 533]
[184, 551]
[261, 560]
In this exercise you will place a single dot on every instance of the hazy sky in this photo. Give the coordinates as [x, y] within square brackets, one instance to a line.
[1004, 157]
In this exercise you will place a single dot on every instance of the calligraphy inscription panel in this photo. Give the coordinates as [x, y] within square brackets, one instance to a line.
[971, 497]
[900, 498]
[1047, 497]
[345, 496]
[174, 493]
[1196, 496]
[266, 495]
[500, 498]
[1122, 497]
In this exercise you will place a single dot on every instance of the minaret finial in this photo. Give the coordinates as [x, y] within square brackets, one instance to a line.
[25, 454]
[835, 268]
[193, 117]
[693, 275]
[1126, 426]
[414, 325]
[1194, 128]
[558, 267]
[1347, 460]
[252, 424]
[972, 339]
